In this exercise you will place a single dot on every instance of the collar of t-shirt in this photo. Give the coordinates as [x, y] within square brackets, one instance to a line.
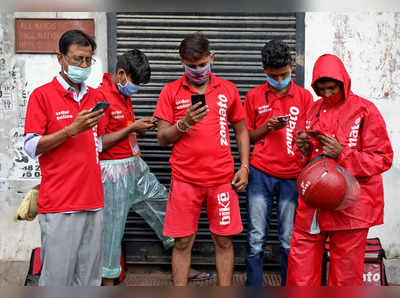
[77, 97]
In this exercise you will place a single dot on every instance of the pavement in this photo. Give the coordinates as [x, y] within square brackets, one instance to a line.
[13, 273]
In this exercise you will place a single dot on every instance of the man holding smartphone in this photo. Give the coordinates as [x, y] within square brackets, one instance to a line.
[202, 163]
[61, 130]
[275, 110]
[353, 133]
[127, 180]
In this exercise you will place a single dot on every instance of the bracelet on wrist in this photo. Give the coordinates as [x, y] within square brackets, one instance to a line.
[245, 166]
[178, 126]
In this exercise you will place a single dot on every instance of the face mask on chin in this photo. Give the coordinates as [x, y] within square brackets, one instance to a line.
[198, 76]
[129, 89]
[77, 74]
[333, 99]
[278, 85]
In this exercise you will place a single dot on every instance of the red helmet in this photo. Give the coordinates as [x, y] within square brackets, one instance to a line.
[323, 184]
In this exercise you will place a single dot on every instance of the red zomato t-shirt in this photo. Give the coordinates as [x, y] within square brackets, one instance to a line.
[118, 116]
[71, 178]
[274, 154]
[202, 156]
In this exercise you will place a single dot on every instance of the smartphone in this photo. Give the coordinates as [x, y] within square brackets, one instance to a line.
[100, 105]
[284, 118]
[314, 133]
[199, 98]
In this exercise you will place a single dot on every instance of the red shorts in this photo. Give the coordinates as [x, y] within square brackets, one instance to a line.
[184, 206]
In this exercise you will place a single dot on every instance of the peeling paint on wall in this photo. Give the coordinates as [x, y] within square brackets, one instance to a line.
[16, 164]
[17, 170]
[369, 45]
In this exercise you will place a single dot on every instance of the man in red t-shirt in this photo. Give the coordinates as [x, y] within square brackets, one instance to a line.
[201, 161]
[62, 132]
[127, 180]
[275, 110]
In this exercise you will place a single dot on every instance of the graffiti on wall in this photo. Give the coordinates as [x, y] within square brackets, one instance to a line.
[14, 162]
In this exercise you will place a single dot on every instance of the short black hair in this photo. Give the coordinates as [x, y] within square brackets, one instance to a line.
[75, 37]
[136, 65]
[194, 47]
[276, 54]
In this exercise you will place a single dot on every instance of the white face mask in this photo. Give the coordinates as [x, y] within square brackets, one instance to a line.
[77, 74]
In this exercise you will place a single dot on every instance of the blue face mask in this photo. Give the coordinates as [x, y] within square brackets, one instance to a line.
[128, 89]
[77, 74]
[276, 84]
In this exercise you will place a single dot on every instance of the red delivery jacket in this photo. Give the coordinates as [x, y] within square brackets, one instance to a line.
[367, 152]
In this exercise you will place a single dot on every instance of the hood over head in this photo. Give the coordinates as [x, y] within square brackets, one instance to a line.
[330, 66]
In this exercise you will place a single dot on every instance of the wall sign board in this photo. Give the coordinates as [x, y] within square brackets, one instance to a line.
[42, 35]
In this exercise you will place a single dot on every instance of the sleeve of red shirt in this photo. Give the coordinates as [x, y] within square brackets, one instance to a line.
[249, 112]
[164, 109]
[236, 112]
[376, 153]
[36, 115]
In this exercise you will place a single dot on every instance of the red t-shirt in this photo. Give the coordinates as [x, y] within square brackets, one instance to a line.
[118, 116]
[71, 177]
[202, 156]
[274, 154]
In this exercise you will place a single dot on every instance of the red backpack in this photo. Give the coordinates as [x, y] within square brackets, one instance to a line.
[374, 268]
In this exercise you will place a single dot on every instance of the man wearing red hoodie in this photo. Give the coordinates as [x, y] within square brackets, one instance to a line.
[353, 132]
[273, 168]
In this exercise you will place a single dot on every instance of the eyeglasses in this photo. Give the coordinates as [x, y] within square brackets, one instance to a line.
[80, 60]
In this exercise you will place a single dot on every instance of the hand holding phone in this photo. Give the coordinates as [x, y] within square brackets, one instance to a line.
[284, 118]
[100, 105]
[314, 133]
[198, 98]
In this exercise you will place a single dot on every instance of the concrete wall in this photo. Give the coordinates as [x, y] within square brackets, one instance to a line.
[368, 43]
[19, 76]
[369, 46]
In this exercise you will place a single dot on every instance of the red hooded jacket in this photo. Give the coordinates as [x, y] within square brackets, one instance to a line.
[359, 127]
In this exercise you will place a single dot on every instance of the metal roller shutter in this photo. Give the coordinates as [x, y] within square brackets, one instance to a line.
[236, 40]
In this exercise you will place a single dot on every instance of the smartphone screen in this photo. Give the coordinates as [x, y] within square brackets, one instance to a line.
[199, 98]
[100, 105]
[313, 133]
[284, 118]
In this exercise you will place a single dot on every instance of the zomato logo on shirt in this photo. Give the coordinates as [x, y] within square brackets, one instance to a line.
[63, 115]
[117, 115]
[294, 113]
[353, 137]
[182, 104]
[223, 123]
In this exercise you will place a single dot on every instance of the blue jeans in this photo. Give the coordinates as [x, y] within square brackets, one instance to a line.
[261, 190]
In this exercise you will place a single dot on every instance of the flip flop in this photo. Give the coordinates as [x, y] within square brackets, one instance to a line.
[197, 277]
